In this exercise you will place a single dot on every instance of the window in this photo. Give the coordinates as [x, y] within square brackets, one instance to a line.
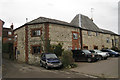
[89, 33]
[85, 47]
[35, 49]
[97, 33]
[9, 39]
[107, 40]
[9, 33]
[15, 38]
[36, 32]
[75, 36]
[116, 40]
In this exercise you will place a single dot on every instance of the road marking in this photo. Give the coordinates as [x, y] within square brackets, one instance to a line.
[89, 76]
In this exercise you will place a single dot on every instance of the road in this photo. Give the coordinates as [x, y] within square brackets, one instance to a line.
[105, 68]
[21, 70]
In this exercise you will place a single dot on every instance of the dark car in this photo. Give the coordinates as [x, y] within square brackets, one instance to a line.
[111, 52]
[84, 55]
[49, 60]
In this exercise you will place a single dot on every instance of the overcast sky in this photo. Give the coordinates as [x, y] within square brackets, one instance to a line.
[105, 13]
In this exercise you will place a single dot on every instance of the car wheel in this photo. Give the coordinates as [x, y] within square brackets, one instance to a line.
[99, 57]
[41, 64]
[105, 58]
[113, 55]
[89, 60]
[46, 66]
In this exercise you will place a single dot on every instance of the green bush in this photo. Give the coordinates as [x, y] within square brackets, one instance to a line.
[58, 50]
[67, 59]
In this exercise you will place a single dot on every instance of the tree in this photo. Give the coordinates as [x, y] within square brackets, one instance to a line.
[58, 50]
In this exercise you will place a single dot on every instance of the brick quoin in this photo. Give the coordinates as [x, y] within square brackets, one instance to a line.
[75, 42]
[46, 34]
[1, 26]
[26, 44]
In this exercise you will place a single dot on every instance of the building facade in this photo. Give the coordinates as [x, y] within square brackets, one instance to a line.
[1, 28]
[92, 36]
[8, 36]
[31, 38]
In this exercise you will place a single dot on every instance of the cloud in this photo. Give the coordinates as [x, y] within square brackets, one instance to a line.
[16, 11]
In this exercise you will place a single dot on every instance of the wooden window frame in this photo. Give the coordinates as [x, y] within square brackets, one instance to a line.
[36, 30]
[32, 49]
[89, 33]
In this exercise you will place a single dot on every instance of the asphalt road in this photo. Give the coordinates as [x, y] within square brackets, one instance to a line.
[104, 68]
[17, 70]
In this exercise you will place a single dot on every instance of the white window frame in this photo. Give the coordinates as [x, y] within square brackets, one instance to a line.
[9, 39]
[75, 36]
[9, 33]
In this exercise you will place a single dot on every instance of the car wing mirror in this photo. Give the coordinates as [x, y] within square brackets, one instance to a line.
[43, 58]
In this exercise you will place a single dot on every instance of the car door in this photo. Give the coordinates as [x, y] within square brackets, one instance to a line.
[82, 56]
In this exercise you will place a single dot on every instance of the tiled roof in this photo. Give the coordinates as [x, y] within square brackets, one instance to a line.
[79, 21]
[87, 23]
[4, 28]
[43, 19]
[84, 22]
[107, 31]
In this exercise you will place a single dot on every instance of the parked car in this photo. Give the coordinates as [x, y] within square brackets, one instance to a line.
[111, 52]
[84, 55]
[50, 60]
[102, 55]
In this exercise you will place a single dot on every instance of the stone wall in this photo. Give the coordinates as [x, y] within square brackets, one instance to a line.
[62, 34]
[20, 43]
[35, 58]
[100, 40]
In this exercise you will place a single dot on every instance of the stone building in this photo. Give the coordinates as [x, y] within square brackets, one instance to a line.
[31, 37]
[92, 36]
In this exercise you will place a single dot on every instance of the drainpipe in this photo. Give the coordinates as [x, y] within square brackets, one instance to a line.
[80, 25]
[81, 41]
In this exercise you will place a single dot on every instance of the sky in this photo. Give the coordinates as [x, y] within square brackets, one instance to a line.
[105, 12]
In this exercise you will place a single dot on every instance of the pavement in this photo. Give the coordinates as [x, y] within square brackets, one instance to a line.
[103, 69]
[13, 69]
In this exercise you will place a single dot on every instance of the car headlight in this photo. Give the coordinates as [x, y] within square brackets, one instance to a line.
[60, 63]
[93, 55]
[49, 64]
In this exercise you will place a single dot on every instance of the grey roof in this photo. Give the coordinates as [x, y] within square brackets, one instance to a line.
[43, 19]
[87, 23]
[107, 31]
[84, 22]
[80, 21]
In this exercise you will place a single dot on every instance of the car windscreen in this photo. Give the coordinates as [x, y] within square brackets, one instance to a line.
[86, 51]
[98, 51]
[51, 56]
[112, 51]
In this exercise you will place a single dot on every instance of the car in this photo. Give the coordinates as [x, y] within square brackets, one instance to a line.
[112, 53]
[102, 55]
[84, 55]
[50, 60]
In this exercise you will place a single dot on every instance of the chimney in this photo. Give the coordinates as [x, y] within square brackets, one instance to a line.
[91, 19]
[11, 26]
